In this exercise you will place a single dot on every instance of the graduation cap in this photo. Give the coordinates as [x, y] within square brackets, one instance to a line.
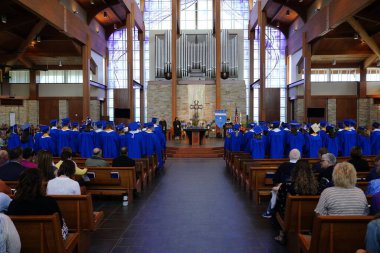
[340, 124]
[99, 124]
[376, 124]
[65, 121]
[53, 122]
[44, 128]
[13, 128]
[276, 124]
[75, 124]
[257, 130]
[83, 126]
[252, 124]
[120, 126]
[323, 123]
[352, 122]
[295, 125]
[133, 126]
[263, 123]
[265, 128]
[285, 125]
[230, 130]
[315, 128]
[154, 120]
[25, 126]
[293, 121]
[361, 128]
[236, 126]
[347, 122]
[330, 127]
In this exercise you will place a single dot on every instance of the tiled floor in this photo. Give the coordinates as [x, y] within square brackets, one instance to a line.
[193, 207]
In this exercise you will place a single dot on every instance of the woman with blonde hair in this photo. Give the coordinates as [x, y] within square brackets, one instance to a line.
[343, 198]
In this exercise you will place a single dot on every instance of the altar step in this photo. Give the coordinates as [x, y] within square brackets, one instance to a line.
[194, 152]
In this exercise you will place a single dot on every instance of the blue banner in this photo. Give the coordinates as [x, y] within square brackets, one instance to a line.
[220, 117]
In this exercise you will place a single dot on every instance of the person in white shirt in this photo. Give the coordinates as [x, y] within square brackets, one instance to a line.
[63, 184]
[9, 237]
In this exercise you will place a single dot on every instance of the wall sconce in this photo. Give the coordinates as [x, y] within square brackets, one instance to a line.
[114, 26]
[278, 24]
[105, 14]
[3, 19]
[38, 38]
[75, 11]
[356, 36]
[334, 62]
[60, 63]
[287, 13]
[92, 2]
[316, 10]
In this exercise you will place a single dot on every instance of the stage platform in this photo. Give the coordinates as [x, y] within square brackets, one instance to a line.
[180, 149]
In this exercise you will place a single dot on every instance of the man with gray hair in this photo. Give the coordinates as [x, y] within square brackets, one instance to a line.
[328, 162]
[96, 159]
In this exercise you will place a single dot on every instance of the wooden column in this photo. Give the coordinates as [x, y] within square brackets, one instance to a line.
[130, 26]
[363, 83]
[306, 54]
[174, 57]
[262, 24]
[105, 103]
[86, 56]
[251, 72]
[33, 88]
[217, 53]
[142, 80]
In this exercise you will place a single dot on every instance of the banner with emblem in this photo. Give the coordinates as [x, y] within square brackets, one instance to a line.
[220, 117]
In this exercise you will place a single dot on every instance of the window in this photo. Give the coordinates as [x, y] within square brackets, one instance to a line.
[60, 76]
[373, 74]
[19, 76]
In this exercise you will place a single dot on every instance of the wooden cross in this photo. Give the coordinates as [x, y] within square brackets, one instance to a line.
[196, 106]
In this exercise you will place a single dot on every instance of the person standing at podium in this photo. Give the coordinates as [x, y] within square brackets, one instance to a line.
[177, 128]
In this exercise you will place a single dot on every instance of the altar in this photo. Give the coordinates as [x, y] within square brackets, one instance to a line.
[196, 136]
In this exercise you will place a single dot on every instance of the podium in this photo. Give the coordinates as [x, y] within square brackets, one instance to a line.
[195, 136]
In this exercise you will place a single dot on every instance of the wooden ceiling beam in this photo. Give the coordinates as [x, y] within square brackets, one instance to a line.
[370, 42]
[138, 18]
[369, 61]
[25, 44]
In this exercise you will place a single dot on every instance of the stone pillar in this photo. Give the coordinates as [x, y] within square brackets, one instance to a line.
[63, 106]
[331, 111]
[364, 112]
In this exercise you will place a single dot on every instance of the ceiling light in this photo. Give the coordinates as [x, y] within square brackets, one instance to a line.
[278, 24]
[300, 1]
[316, 9]
[334, 62]
[60, 63]
[76, 12]
[4, 19]
[356, 36]
[114, 26]
[92, 2]
[105, 14]
[287, 13]
[38, 38]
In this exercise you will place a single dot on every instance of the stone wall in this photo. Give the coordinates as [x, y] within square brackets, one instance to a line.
[364, 112]
[95, 110]
[159, 102]
[298, 109]
[374, 112]
[28, 112]
[63, 106]
[331, 110]
[233, 95]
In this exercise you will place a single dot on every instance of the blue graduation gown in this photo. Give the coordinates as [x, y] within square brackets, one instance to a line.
[246, 142]
[110, 144]
[364, 142]
[349, 140]
[86, 143]
[98, 139]
[37, 137]
[257, 148]
[13, 141]
[28, 144]
[296, 141]
[64, 140]
[74, 143]
[135, 144]
[276, 142]
[158, 131]
[323, 135]
[123, 140]
[313, 144]
[151, 144]
[375, 142]
[236, 140]
[54, 134]
[332, 145]
[46, 143]
[227, 143]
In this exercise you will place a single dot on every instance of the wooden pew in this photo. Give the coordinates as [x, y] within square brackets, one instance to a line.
[79, 215]
[335, 234]
[42, 234]
[298, 217]
[113, 181]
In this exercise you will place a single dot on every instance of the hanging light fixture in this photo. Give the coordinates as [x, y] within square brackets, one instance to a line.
[278, 24]
[105, 14]
[60, 63]
[3, 19]
[287, 13]
[114, 26]
[38, 38]
[92, 2]
[334, 62]
[356, 36]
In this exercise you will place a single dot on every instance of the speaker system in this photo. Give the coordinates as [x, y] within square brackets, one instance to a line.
[122, 113]
[315, 112]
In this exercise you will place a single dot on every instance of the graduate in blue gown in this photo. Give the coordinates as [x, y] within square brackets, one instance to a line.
[14, 138]
[100, 125]
[74, 143]
[26, 139]
[276, 141]
[331, 140]
[295, 138]
[46, 141]
[54, 134]
[227, 140]
[257, 143]
[37, 137]
[246, 142]
[110, 142]
[364, 141]
[86, 142]
[313, 142]
[285, 127]
[135, 141]
[348, 138]
[236, 138]
[322, 125]
[64, 136]
[158, 131]
[375, 138]
[151, 144]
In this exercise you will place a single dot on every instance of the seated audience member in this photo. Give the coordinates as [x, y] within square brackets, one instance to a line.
[373, 187]
[343, 198]
[5, 200]
[359, 163]
[328, 162]
[282, 175]
[375, 172]
[372, 237]
[10, 240]
[45, 165]
[27, 158]
[67, 154]
[4, 187]
[63, 184]
[4, 159]
[303, 182]
[12, 170]
[96, 159]
[317, 166]
[123, 160]
[31, 200]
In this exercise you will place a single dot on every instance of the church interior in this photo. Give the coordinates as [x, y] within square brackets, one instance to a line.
[183, 63]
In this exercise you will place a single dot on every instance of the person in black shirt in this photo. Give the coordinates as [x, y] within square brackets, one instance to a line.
[123, 160]
[359, 163]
